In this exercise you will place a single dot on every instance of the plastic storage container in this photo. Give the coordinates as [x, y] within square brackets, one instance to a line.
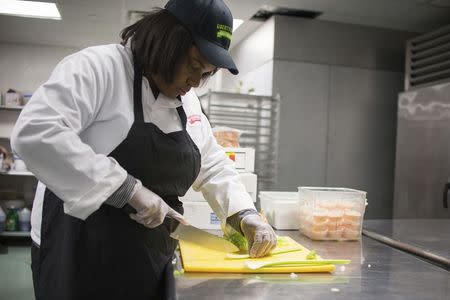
[19, 164]
[281, 209]
[12, 220]
[331, 213]
[226, 136]
[25, 220]
[200, 215]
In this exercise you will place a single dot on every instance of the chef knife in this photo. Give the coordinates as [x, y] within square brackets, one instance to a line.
[189, 233]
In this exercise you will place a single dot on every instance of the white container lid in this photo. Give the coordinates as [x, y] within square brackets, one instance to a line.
[278, 196]
[331, 193]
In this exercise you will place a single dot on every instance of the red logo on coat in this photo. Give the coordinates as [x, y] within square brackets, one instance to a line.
[194, 119]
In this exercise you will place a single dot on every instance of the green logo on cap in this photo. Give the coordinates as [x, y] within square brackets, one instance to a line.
[224, 31]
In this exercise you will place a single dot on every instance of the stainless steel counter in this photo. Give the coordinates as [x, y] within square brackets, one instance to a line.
[429, 234]
[376, 272]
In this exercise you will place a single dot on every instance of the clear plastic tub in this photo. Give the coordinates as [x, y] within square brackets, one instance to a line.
[280, 208]
[331, 213]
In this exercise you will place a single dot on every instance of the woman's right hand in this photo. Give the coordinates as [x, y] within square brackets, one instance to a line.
[151, 209]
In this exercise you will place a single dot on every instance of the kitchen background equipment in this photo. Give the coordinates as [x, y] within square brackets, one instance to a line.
[258, 119]
[422, 164]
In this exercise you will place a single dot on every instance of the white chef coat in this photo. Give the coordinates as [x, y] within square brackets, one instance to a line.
[84, 111]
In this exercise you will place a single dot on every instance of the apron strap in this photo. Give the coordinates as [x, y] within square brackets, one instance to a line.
[182, 115]
[137, 93]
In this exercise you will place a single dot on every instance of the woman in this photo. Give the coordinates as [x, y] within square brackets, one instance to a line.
[116, 129]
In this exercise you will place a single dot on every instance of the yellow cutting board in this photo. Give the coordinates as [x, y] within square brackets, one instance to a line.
[200, 259]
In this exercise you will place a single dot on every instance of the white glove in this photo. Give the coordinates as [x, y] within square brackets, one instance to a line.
[260, 235]
[151, 209]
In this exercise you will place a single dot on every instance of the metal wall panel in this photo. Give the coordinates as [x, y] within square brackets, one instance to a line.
[303, 112]
[423, 152]
[428, 59]
[251, 53]
[361, 134]
[332, 43]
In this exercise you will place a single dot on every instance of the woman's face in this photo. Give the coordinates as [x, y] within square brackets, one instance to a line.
[189, 74]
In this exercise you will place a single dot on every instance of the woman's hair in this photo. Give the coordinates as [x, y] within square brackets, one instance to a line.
[159, 43]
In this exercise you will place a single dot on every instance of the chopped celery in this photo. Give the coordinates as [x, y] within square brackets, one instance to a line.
[311, 255]
[254, 265]
[237, 239]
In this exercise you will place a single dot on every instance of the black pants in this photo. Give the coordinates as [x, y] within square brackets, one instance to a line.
[35, 267]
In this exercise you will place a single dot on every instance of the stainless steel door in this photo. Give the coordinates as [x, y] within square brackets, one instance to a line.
[423, 152]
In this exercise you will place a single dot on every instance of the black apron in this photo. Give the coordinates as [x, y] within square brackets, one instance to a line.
[110, 256]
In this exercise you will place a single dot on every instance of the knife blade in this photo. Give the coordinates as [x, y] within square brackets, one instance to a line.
[189, 233]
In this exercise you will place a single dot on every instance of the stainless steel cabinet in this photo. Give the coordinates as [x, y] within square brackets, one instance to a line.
[423, 152]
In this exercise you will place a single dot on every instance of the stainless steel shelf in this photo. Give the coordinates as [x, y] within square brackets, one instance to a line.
[2, 107]
[16, 173]
[238, 107]
[15, 234]
[258, 118]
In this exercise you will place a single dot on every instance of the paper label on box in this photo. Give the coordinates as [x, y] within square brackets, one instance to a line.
[213, 219]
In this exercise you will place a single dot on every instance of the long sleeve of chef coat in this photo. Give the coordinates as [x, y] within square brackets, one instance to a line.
[218, 180]
[46, 137]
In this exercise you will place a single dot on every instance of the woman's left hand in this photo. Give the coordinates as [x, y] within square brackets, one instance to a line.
[260, 235]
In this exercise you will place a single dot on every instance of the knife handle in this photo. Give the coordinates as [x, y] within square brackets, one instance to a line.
[176, 216]
[128, 209]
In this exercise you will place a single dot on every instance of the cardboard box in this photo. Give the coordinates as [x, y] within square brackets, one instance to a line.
[200, 215]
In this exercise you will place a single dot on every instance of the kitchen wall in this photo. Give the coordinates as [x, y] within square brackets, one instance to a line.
[331, 43]
[338, 85]
[24, 67]
[254, 58]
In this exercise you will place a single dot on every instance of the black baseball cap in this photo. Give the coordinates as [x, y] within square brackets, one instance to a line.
[211, 25]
